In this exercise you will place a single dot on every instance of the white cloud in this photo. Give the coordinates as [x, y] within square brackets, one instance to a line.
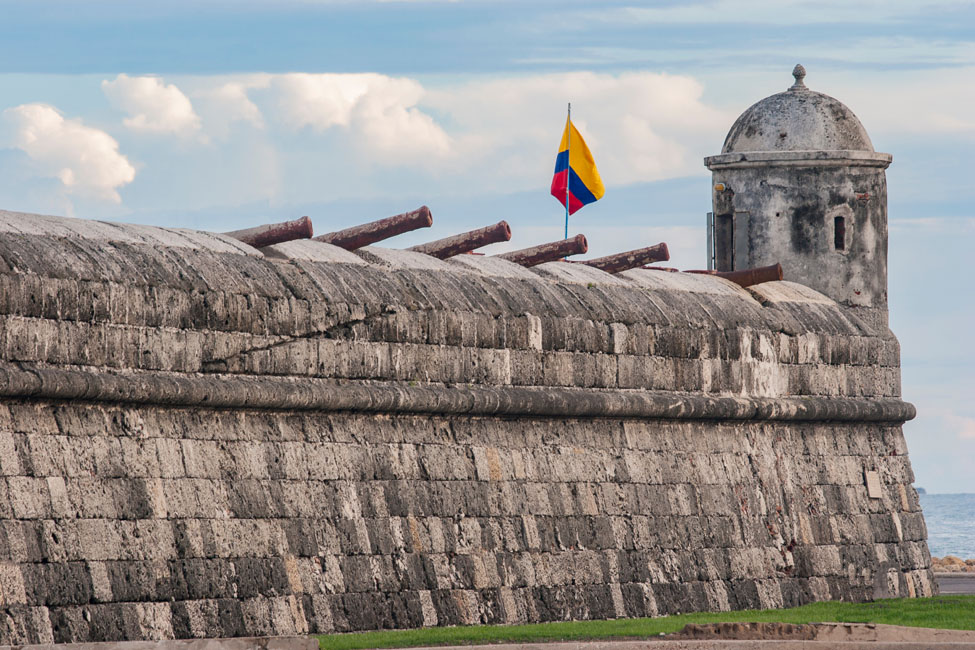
[319, 101]
[380, 111]
[86, 160]
[924, 102]
[639, 126]
[391, 123]
[769, 12]
[153, 106]
[486, 136]
[481, 137]
[234, 103]
[224, 102]
[891, 53]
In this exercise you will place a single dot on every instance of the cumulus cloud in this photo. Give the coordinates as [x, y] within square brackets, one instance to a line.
[640, 126]
[231, 98]
[223, 103]
[320, 101]
[86, 160]
[484, 136]
[152, 106]
[925, 102]
[381, 112]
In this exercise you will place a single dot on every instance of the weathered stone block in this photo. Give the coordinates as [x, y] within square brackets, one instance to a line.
[194, 479]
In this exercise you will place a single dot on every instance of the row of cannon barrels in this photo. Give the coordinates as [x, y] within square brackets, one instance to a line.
[375, 231]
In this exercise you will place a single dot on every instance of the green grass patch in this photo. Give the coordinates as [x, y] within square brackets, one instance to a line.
[946, 612]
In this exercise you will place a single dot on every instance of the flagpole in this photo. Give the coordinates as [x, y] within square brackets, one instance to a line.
[568, 170]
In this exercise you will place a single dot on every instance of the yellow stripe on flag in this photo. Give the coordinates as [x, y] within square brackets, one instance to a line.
[581, 160]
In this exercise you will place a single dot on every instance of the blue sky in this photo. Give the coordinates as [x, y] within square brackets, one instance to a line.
[220, 115]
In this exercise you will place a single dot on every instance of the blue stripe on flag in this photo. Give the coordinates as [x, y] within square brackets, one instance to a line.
[561, 161]
[579, 189]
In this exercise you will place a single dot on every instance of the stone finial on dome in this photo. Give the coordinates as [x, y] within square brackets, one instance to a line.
[798, 72]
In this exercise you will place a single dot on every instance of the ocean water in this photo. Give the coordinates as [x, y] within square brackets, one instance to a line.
[951, 524]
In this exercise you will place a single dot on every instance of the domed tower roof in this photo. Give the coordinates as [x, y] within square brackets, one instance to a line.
[798, 119]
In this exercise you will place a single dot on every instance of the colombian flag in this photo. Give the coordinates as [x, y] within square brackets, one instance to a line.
[575, 165]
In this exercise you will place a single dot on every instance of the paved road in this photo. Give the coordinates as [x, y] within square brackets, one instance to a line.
[956, 583]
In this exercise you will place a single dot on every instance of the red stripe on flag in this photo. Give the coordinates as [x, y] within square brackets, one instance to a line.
[558, 191]
[558, 185]
[574, 203]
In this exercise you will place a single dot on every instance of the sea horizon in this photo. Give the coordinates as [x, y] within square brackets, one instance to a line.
[950, 518]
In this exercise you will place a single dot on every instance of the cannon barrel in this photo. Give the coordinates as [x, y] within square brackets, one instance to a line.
[748, 277]
[465, 242]
[369, 233]
[550, 252]
[631, 259]
[274, 233]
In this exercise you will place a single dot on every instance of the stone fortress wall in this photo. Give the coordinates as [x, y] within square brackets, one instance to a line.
[198, 438]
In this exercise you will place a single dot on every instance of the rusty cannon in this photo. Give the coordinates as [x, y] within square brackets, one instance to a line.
[631, 259]
[748, 277]
[274, 233]
[369, 233]
[550, 252]
[465, 242]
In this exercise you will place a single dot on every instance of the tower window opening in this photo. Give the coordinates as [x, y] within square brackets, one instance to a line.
[839, 233]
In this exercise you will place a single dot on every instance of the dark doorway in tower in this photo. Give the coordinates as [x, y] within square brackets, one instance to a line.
[724, 241]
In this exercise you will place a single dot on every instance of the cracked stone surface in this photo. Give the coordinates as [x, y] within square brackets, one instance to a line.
[201, 440]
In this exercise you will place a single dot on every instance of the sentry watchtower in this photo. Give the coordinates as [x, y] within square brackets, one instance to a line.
[798, 182]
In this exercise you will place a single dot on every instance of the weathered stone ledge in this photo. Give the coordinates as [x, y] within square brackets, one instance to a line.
[294, 393]
[839, 158]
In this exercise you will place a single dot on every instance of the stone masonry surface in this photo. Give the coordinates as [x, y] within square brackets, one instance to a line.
[201, 440]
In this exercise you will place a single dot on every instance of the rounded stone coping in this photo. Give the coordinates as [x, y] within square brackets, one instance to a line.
[174, 257]
[685, 283]
[838, 158]
[38, 225]
[396, 258]
[312, 251]
[42, 381]
[577, 274]
[783, 291]
[490, 265]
